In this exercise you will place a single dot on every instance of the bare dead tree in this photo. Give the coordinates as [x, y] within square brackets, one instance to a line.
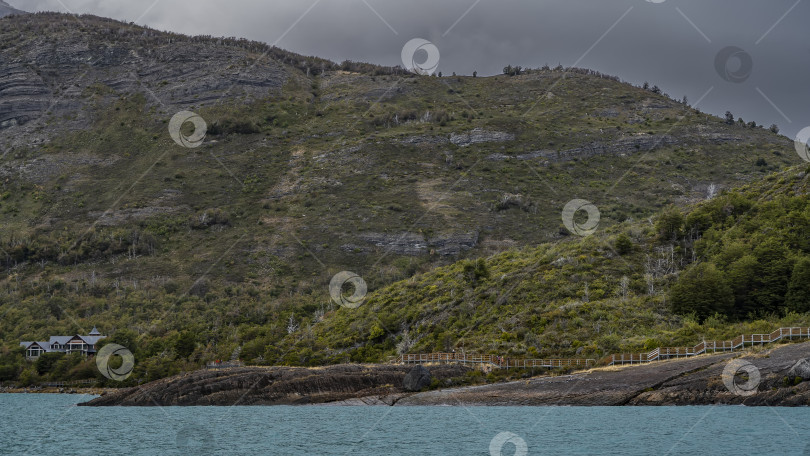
[292, 325]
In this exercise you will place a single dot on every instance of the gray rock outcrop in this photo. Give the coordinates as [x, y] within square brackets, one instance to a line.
[620, 146]
[414, 244]
[417, 379]
[42, 79]
[349, 384]
[801, 369]
[478, 136]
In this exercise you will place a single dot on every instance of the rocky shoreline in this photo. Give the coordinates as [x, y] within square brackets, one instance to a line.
[281, 385]
[780, 377]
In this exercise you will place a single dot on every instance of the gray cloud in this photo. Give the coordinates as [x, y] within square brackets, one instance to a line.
[672, 44]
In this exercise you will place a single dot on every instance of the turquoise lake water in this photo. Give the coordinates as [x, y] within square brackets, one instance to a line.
[50, 424]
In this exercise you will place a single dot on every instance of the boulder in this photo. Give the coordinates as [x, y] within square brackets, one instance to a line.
[417, 379]
[800, 369]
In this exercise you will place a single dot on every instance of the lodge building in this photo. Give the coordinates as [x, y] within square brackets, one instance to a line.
[86, 345]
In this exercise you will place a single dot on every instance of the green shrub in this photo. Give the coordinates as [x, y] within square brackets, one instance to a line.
[623, 244]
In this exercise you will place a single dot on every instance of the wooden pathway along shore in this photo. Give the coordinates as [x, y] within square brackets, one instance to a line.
[659, 354]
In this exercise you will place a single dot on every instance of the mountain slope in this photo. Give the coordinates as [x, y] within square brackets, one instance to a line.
[308, 168]
[583, 298]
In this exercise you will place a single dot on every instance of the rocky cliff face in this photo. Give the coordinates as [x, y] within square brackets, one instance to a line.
[56, 72]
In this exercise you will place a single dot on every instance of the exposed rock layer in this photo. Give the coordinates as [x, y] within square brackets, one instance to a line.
[274, 386]
[95, 61]
[693, 381]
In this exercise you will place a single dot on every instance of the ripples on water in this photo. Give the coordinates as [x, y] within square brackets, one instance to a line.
[49, 424]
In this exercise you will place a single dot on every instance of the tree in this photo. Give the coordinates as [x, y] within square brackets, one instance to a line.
[126, 337]
[669, 225]
[623, 244]
[376, 332]
[656, 90]
[46, 361]
[510, 70]
[624, 287]
[646, 85]
[729, 118]
[292, 325]
[185, 344]
[774, 129]
[56, 306]
[702, 290]
[770, 283]
[475, 74]
[476, 270]
[7, 372]
[28, 377]
[798, 294]
[740, 276]
[697, 223]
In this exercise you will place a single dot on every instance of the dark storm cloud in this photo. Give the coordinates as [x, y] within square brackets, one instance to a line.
[669, 43]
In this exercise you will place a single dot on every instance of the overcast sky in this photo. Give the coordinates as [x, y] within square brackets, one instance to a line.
[671, 43]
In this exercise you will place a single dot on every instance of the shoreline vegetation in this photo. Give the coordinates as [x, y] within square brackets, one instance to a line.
[492, 364]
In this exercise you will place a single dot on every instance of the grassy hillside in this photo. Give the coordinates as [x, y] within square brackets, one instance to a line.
[107, 222]
[599, 295]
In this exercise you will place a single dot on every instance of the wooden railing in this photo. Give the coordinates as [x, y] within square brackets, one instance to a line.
[738, 343]
[658, 354]
[70, 383]
[493, 360]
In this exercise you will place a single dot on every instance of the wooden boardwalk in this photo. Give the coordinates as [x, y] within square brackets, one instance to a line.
[500, 362]
[739, 343]
[70, 383]
[659, 354]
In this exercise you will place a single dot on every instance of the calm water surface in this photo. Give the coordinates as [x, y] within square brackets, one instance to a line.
[49, 424]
